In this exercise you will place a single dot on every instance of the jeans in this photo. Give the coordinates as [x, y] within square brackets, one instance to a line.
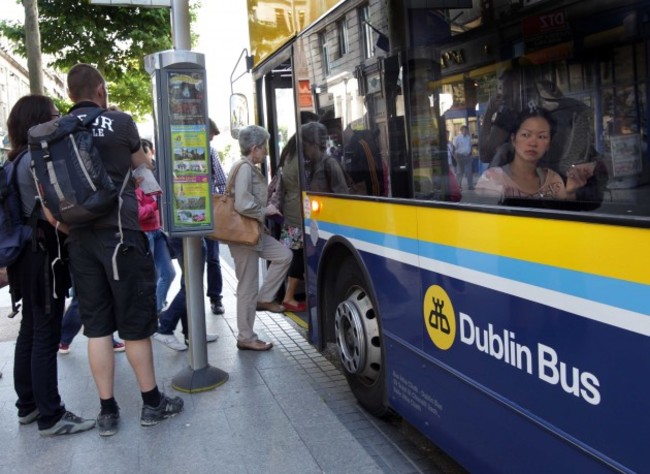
[465, 165]
[71, 322]
[164, 267]
[215, 280]
[35, 359]
[177, 309]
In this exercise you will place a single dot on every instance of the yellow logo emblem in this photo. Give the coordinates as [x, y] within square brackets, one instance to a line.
[439, 317]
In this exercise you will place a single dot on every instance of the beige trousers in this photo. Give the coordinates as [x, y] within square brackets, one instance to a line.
[248, 290]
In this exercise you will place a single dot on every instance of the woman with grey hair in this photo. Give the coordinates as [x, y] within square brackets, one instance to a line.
[250, 192]
[325, 173]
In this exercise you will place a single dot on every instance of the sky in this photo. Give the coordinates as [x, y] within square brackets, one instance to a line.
[223, 34]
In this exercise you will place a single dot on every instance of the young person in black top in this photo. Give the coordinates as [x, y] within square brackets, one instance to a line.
[111, 264]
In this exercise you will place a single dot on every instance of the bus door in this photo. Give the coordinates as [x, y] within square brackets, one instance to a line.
[276, 107]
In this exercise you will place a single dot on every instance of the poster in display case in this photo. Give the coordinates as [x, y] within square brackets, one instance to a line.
[190, 154]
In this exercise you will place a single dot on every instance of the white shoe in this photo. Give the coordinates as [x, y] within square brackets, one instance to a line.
[208, 338]
[170, 341]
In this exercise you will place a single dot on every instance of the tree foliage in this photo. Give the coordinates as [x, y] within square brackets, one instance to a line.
[114, 39]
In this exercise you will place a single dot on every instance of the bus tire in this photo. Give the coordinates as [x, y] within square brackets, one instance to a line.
[358, 336]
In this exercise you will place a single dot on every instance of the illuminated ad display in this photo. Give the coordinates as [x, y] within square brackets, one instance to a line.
[190, 165]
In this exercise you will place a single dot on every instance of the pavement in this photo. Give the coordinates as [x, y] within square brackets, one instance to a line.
[288, 410]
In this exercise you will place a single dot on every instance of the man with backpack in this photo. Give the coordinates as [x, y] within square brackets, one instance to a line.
[111, 265]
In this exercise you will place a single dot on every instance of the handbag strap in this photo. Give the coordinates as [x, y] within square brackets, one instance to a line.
[231, 178]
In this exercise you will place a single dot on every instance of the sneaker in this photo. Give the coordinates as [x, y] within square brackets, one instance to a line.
[170, 341]
[118, 346]
[64, 348]
[217, 308]
[107, 423]
[28, 418]
[208, 338]
[68, 424]
[168, 407]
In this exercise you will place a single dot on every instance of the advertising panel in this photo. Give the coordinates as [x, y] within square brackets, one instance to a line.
[190, 154]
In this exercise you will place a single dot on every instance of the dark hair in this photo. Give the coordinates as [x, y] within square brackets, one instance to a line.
[530, 112]
[28, 111]
[83, 80]
[146, 145]
[213, 127]
[306, 116]
[314, 133]
[291, 147]
[534, 112]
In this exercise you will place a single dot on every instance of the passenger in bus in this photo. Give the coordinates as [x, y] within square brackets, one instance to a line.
[325, 173]
[250, 191]
[521, 176]
[362, 160]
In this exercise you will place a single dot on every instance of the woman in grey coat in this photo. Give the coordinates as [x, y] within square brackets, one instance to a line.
[250, 192]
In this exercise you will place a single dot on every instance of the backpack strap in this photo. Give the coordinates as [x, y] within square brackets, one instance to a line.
[90, 118]
[120, 201]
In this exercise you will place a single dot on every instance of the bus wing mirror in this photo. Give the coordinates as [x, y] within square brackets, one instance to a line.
[238, 114]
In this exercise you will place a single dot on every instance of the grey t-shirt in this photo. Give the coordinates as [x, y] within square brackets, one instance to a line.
[26, 185]
[116, 137]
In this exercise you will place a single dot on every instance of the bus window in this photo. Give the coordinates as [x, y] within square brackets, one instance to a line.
[594, 92]
[348, 105]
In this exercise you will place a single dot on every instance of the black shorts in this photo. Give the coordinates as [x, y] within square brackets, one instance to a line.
[127, 305]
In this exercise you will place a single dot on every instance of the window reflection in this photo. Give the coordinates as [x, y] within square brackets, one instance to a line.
[392, 114]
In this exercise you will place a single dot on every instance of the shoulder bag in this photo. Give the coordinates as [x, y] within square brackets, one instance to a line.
[276, 191]
[230, 226]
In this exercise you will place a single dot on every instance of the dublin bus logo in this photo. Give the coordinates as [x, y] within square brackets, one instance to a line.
[439, 317]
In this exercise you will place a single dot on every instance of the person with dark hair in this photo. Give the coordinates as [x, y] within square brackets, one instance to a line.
[521, 176]
[325, 173]
[214, 277]
[291, 232]
[250, 190]
[149, 217]
[42, 284]
[106, 303]
[362, 160]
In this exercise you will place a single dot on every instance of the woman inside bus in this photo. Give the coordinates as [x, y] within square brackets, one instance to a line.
[250, 192]
[291, 232]
[325, 173]
[521, 177]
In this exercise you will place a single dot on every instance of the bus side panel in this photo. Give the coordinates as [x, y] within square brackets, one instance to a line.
[575, 374]
[488, 436]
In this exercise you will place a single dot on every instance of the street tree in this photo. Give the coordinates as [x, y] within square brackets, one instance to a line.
[114, 39]
[33, 47]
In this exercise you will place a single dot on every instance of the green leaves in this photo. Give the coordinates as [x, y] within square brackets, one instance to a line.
[114, 39]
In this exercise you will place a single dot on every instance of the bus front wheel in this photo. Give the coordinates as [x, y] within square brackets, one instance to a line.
[357, 332]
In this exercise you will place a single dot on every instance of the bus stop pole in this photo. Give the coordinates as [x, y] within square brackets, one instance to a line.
[199, 376]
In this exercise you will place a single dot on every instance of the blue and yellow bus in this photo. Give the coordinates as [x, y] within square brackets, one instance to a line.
[512, 329]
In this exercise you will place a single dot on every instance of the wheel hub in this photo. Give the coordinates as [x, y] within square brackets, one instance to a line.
[357, 335]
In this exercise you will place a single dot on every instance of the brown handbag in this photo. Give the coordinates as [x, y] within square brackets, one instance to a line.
[230, 226]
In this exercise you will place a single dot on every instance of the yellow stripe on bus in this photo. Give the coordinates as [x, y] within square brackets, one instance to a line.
[606, 250]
